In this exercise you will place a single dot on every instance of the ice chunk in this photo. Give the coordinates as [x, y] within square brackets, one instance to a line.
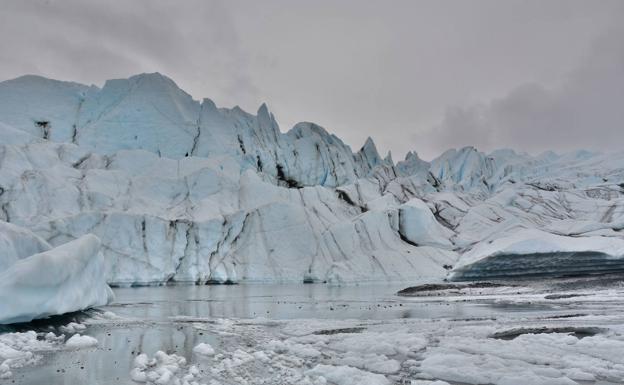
[204, 349]
[18, 350]
[72, 327]
[80, 342]
[67, 278]
[346, 375]
[162, 369]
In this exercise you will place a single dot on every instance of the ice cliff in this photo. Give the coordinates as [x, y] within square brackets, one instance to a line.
[181, 190]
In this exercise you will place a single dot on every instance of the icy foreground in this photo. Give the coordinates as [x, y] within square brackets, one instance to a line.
[23, 349]
[563, 332]
[54, 281]
[412, 353]
[180, 190]
[549, 347]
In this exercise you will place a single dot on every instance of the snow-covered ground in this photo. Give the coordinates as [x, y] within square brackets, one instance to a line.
[567, 333]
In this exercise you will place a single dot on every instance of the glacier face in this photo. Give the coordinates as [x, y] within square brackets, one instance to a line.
[181, 190]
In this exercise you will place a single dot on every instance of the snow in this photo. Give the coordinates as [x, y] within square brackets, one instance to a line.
[81, 342]
[66, 278]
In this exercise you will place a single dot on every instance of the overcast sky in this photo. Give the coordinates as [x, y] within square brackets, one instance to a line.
[414, 75]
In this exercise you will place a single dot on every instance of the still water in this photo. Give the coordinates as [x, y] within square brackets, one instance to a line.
[158, 318]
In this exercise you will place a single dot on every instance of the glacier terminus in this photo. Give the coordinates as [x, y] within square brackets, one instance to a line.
[137, 186]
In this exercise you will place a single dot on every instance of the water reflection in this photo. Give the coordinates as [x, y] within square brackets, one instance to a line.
[153, 329]
[286, 302]
[112, 360]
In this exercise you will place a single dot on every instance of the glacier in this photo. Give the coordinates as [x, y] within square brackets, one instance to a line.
[535, 253]
[180, 190]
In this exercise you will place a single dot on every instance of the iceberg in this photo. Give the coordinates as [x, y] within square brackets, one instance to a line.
[63, 279]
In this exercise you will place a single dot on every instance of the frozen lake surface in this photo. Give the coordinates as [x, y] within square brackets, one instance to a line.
[563, 333]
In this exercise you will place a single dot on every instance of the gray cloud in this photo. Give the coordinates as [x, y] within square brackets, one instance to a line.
[389, 70]
[585, 111]
[194, 42]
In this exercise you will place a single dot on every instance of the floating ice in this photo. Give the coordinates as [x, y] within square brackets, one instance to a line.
[346, 375]
[80, 342]
[163, 369]
[204, 349]
[19, 350]
[66, 278]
